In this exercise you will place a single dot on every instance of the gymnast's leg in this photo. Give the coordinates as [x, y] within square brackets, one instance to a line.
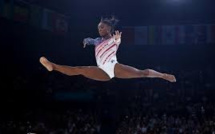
[91, 72]
[126, 72]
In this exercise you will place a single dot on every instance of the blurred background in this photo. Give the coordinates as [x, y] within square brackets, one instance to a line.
[175, 36]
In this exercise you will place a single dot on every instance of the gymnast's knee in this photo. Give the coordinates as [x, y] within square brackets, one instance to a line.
[146, 72]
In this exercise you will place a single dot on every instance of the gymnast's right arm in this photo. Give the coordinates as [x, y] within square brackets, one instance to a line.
[88, 41]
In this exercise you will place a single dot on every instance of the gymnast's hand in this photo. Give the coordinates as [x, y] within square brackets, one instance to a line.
[117, 35]
[84, 44]
[85, 41]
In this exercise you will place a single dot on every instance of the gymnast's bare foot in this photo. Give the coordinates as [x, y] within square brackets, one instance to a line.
[47, 64]
[169, 77]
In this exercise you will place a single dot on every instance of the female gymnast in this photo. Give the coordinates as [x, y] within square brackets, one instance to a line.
[106, 47]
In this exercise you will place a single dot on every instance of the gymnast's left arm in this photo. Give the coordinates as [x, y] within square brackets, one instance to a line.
[117, 37]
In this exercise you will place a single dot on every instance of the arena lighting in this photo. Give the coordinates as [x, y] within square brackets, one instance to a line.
[177, 1]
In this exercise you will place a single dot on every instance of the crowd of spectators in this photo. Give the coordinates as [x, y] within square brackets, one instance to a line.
[144, 106]
[49, 122]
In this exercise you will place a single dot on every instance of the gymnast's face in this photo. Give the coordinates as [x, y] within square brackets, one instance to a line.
[104, 29]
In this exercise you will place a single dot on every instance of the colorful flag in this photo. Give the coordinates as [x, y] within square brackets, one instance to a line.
[154, 35]
[47, 20]
[128, 35]
[60, 23]
[179, 34]
[54, 22]
[1, 7]
[151, 35]
[211, 33]
[36, 14]
[141, 35]
[201, 34]
[190, 34]
[21, 12]
[8, 10]
[168, 35]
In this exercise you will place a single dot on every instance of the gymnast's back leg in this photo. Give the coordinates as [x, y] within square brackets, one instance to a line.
[91, 72]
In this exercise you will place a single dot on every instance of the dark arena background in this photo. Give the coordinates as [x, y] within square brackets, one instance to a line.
[175, 36]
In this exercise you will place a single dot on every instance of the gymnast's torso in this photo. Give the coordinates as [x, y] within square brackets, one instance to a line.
[105, 50]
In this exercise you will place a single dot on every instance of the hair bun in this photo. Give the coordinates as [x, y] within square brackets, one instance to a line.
[110, 21]
[114, 21]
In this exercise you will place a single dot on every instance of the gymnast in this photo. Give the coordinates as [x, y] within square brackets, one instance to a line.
[108, 67]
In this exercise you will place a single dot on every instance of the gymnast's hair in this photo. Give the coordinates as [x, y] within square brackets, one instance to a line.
[112, 22]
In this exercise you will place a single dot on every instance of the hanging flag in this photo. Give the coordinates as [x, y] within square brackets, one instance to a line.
[179, 34]
[190, 34]
[47, 20]
[1, 7]
[201, 34]
[158, 35]
[168, 35]
[36, 14]
[151, 35]
[8, 9]
[60, 23]
[141, 35]
[128, 35]
[21, 12]
[54, 22]
[154, 35]
[211, 33]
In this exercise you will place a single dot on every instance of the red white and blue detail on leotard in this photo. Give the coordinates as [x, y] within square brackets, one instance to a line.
[105, 50]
